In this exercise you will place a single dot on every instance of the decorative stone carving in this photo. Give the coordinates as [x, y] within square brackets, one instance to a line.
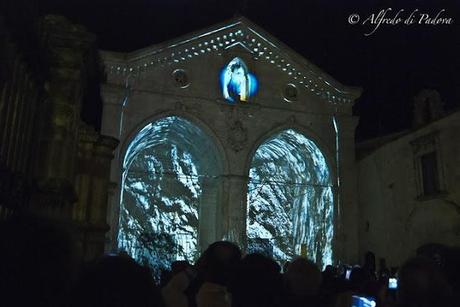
[240, 33]
[54, 194]
[290, 93]
[425, 143]
[180, 106]
[180, 78]
[291, 120]
[237, 135]
[95, 152]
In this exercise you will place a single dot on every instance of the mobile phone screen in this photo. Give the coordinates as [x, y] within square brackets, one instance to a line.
[392, 283]
[347, 274]
[362, 301]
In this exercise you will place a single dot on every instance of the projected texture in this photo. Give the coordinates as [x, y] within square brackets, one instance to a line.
[236, 81]
[290, 199]
[164, 168]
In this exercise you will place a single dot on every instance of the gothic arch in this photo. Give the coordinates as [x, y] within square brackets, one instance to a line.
[170, 190]
[307, 132]
[129, 136]
[283, 199]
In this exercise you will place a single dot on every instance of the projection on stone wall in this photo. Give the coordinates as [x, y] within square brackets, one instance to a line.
[237, 83]
[290, 199]
[164, 167]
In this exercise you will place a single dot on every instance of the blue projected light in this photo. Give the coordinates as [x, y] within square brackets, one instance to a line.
[362, 301]
[162, 186]
[290, 199]
[237, 83]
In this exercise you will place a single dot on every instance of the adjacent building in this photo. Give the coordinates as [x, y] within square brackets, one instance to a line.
[408, 184]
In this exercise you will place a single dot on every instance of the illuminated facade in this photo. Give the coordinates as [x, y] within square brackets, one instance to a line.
[199, 145]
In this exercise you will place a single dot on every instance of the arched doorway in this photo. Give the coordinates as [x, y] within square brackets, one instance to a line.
[290, 199]
[169, 193]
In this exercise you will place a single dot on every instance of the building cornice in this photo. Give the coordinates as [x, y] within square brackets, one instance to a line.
[236, 32]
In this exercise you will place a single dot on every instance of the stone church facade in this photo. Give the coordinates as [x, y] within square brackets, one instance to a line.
[181, 78]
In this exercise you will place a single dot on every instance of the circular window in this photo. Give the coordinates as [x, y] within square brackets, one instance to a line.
[290, 92]
[180, 78]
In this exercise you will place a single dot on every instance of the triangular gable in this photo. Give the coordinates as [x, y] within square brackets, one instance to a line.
[242, 32]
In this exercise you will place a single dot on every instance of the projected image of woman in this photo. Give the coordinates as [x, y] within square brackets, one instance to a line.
[236, 81]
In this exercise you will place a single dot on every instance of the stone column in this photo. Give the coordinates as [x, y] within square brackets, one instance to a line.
[16, 147]
[113, 97]
[66, 47]
[9, 109]
[18, 96]
[95, 153]
[235, 188]
[15, 114]
[347, 245]
[3, 105]
[29, 138]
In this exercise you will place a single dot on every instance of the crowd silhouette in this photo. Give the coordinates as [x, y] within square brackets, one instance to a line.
[39, 267]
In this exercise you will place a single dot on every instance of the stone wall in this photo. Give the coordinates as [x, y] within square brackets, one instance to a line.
[20, 99]
[51, 164]
[395, 216]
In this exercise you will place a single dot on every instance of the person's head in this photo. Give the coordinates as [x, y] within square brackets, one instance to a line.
[377, 290]
[115, 281]
[329, 273]
[303, 278]
[218, 262]
[421, 283]
[330, 269]
[257, 282]
[179, 266]
[358, 278]
[285, 266]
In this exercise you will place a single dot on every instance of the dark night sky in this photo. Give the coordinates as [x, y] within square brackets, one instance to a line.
[391, 65]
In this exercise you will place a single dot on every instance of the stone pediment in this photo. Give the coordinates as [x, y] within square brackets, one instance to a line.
[238, 33]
